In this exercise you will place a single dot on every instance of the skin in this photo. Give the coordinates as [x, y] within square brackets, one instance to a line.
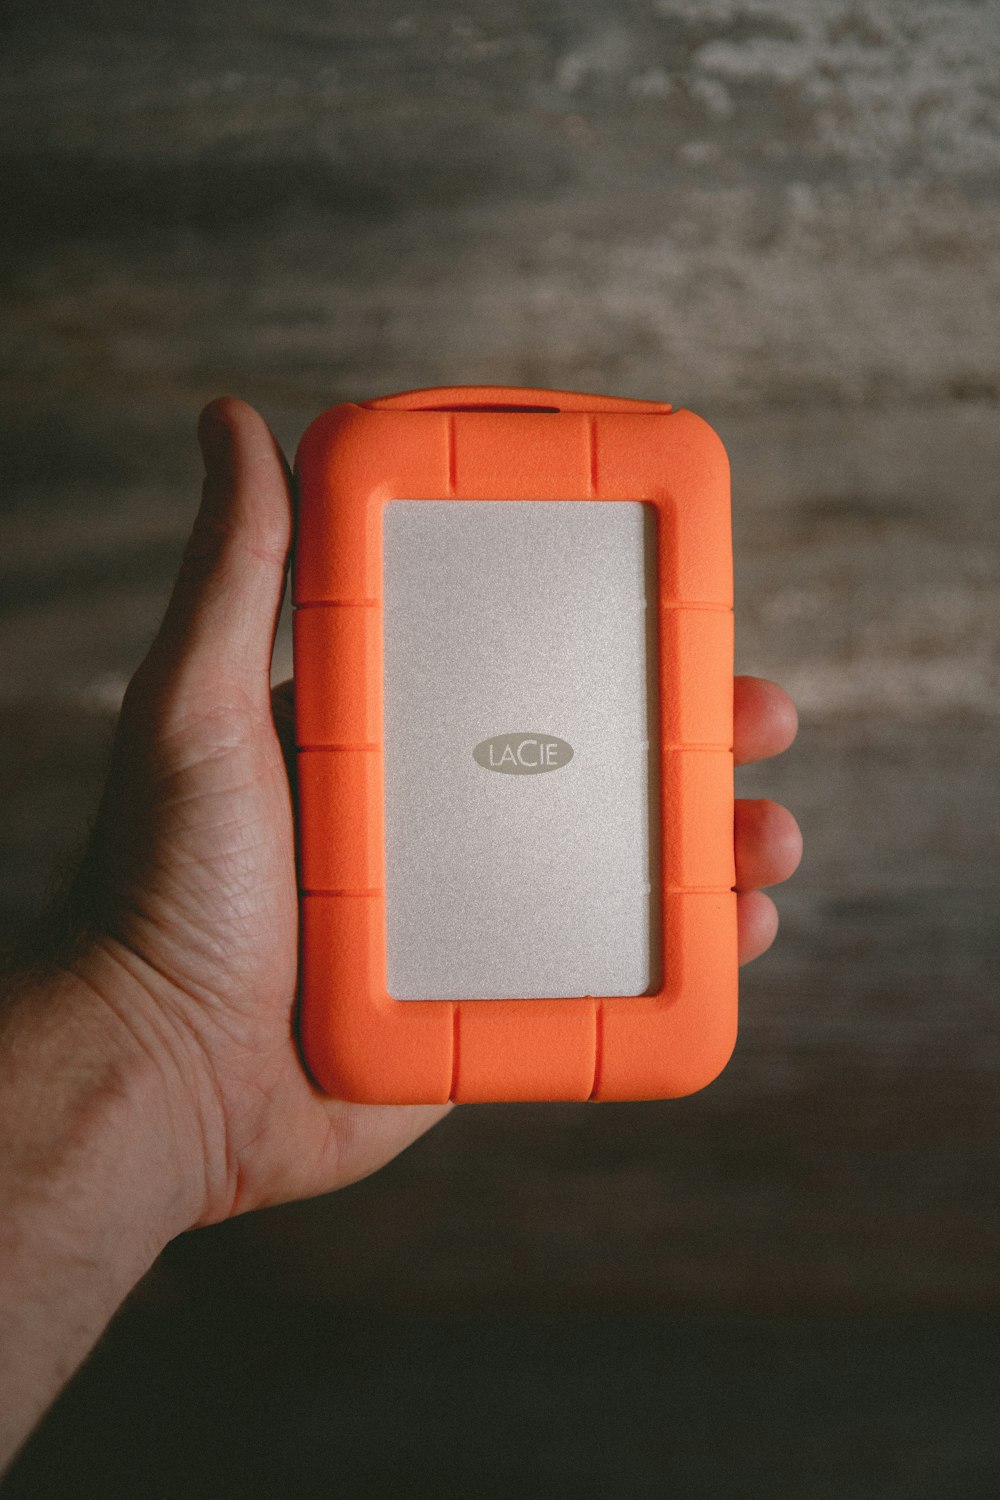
[149, 1078]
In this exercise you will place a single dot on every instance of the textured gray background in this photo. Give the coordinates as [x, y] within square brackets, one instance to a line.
[787, 216]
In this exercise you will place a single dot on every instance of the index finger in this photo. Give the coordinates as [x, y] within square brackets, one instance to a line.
[764, 719]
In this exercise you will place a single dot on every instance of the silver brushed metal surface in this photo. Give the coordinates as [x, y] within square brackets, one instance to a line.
[506, 618]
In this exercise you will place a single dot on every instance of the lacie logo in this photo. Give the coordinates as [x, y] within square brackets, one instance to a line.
[523, 754]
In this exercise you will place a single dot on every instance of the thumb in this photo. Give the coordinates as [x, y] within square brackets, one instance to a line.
[217, 635]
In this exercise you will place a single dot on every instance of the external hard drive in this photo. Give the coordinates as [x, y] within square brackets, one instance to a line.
[513, 684]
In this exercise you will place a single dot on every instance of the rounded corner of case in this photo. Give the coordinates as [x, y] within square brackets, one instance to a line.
[318, 1064]
[699, 430]
[705, 1070]
[330, 426]
[351, 1079]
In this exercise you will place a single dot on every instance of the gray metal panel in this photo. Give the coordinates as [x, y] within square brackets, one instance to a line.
[507, 618]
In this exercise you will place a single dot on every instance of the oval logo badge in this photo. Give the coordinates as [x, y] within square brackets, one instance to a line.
[523, 754]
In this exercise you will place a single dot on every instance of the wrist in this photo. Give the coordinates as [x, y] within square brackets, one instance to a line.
[96, 1103]
[90, 1180]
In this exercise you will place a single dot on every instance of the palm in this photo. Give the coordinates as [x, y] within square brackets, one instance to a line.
[194, 860]
[206, 898]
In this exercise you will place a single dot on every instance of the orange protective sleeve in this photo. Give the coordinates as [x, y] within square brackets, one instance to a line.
[470, 443]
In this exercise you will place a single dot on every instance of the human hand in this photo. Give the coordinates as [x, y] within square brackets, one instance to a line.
[187, 896]
[189, 888]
